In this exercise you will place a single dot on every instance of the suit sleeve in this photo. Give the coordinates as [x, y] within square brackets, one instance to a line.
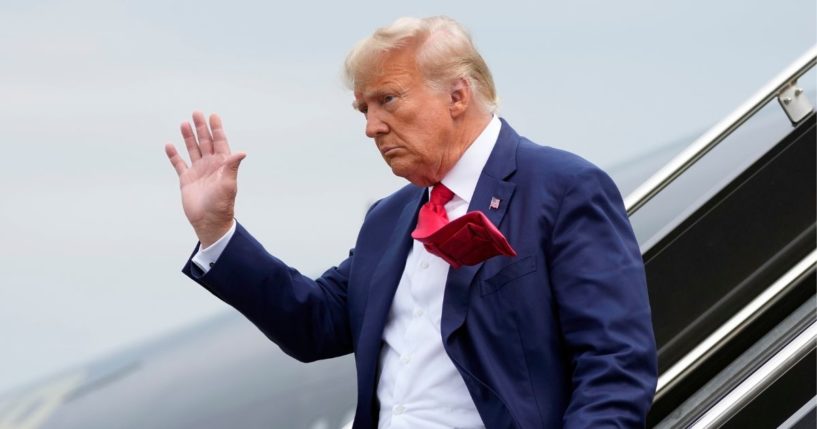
[306, 318]
[598, 276]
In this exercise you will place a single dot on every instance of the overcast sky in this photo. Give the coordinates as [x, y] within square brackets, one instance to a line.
[90, 90]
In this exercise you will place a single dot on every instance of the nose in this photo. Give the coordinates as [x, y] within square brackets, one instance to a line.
[374, 125]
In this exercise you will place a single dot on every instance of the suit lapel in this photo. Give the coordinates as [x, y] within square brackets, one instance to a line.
[386, 276]
[490, 186]
[384, 281]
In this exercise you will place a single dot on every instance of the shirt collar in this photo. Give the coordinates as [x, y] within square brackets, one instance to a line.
[462, 179]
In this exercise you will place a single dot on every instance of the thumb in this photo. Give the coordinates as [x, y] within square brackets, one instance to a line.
[233, 161]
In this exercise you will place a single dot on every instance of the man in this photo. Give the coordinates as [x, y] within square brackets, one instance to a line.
[557, 335]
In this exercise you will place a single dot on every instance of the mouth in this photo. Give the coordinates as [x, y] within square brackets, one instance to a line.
[385, 150]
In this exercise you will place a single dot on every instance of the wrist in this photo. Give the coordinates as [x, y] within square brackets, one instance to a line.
[209, 234]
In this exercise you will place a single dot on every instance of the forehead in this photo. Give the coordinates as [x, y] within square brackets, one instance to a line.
[397, 68]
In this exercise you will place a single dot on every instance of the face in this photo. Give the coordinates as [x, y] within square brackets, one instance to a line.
[411, 123]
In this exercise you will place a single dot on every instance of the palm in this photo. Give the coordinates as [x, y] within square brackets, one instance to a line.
[208, 186]
[204, 186]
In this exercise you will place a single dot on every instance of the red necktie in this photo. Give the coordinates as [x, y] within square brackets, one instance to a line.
[432, 214]
[468, 240]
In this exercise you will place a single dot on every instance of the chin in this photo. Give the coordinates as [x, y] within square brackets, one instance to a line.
[411, 176]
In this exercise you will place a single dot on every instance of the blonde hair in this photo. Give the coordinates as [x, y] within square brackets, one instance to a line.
[445, 53]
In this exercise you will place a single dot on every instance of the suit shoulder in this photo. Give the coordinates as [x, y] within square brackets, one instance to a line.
[555, 165]
[394, 201]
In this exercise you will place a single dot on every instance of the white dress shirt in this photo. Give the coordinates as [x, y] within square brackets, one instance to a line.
[419, 386]
[205, 258]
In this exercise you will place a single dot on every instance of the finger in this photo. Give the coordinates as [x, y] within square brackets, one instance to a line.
[232, 162]
[203, 133]
[190, 142]
[220, 144]
[175, 159]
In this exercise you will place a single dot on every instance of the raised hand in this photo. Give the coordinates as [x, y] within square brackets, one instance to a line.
[209, 185]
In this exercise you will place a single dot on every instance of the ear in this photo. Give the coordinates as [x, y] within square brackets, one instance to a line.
[460, 97]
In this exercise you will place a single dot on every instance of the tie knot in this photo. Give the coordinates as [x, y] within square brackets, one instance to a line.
[440, 195]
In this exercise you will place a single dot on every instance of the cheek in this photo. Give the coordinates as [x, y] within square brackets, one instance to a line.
[421, 129]
[430, 127]
[425, 144]
[434, 135]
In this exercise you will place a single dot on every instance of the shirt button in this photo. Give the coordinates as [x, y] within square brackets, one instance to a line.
[405, 359]
[399, 409]
[419, 312]
[424, 265]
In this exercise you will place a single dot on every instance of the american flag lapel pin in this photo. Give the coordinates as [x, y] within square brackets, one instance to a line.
[494, 203]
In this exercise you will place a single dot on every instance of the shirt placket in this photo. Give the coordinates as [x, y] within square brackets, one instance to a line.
[412, 338]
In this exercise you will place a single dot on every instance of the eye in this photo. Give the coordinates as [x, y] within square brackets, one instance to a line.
[388, 98]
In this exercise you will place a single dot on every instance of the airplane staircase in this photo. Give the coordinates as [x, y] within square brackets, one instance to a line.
[732, 277]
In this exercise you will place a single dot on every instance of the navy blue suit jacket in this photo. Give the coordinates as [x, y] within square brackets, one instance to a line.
[559, 335]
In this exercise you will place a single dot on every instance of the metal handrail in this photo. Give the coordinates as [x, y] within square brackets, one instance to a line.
[735, 323]
[799, 414]
[759, 380]
[700, 147]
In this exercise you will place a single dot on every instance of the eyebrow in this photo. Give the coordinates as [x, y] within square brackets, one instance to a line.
[377, 93]
[357, 106]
